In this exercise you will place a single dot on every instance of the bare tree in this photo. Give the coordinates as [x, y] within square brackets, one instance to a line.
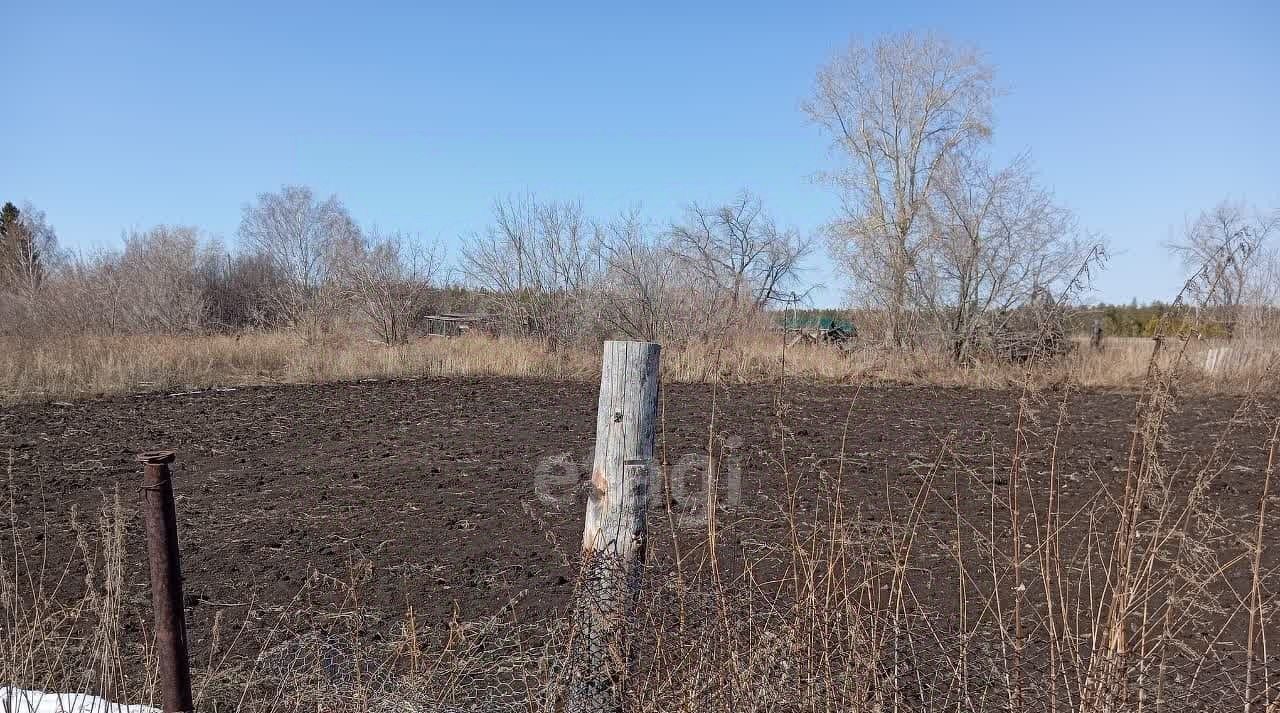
[391, 281]
[88, 295]
[640, 292]
[536, 261]
[895, 110]
[160, 269]
[738, 254]
[306, 240]
[635, 278]
[240, 289]
[994, 239]
[1231, 246]
[151, 286]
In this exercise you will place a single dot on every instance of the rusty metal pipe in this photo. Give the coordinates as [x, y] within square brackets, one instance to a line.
[166, 581]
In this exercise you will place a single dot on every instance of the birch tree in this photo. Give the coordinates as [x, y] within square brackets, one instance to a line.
[28, 247]
[306, 240]
[161, 268]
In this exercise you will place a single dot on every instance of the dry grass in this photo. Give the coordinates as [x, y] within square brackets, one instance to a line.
[69, 368]
[61, 621]
[91, 366]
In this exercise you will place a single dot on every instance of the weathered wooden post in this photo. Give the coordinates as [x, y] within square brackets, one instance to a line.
[613, 541]
[166, 582]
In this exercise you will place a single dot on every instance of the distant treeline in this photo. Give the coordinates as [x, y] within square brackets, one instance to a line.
[1118, 320]
[1131, 320]
[1142, 320]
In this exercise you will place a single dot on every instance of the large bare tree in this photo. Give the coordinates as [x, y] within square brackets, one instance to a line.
[737, 253]
[1231, 246]
[895, 110]
[306, 240]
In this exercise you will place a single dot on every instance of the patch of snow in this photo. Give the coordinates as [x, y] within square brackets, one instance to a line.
[16, 700]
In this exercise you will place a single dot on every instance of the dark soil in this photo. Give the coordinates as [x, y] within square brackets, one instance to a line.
[434, 482]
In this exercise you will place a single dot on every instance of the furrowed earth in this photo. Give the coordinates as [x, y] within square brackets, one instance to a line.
[463, 497]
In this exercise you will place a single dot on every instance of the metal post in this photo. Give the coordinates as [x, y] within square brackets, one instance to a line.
[613, 541]
[166, 581]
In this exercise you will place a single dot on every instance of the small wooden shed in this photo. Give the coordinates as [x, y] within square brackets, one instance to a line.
[456, 324]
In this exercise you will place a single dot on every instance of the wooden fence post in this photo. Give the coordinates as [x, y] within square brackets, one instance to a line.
[613, 541]
[166, 582]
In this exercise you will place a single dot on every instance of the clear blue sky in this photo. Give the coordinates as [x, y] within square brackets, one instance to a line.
[119, 115]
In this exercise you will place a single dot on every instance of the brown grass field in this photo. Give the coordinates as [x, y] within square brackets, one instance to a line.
[71, 368]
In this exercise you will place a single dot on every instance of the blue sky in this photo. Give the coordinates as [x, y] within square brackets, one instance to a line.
[127, 115]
